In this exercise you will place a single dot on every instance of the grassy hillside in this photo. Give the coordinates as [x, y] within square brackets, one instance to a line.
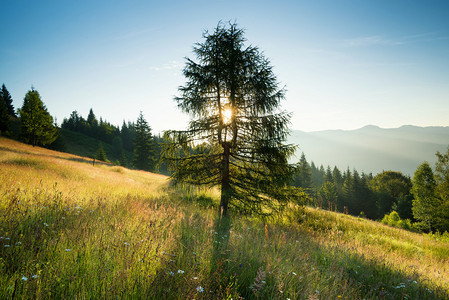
[83, 145]
[72, 230]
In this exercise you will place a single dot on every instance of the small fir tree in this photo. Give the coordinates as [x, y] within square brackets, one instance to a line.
[144, 148]
[101, 155]
[37, 126]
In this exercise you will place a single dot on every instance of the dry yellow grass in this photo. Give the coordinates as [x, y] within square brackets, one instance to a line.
[25, 167]
[75, 230]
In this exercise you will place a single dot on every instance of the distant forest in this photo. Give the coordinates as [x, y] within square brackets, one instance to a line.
[420, 203]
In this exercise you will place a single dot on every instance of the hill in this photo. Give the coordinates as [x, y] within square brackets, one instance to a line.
[373, 149]
[83, 145]
[69, 229]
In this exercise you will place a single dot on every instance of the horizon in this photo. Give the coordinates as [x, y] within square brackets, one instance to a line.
[345, 65]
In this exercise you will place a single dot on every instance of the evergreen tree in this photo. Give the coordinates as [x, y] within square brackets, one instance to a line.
[426, 202]
[328, 176]
[6, 110]
[442, 180]
[144, 148]
[303, 178]
[92, 119]
[36, 123]
[328, 196]
[4, 117]
[101, 155]
[337, 178]
[7, 100]
[233, 97]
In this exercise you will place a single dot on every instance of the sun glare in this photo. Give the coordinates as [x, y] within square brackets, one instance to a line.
[227, 115]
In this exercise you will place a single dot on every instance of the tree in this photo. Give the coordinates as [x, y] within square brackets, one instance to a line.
[144, 148]
[4, 117]
[233, 98]
[392, 192]
[303, 178]
[328, 196]
[426, 202]
[6, 110]
[36, 123]
[7, 100]
[101, 155]
[92, 119]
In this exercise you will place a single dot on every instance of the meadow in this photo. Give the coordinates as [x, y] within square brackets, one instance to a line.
[70, 229]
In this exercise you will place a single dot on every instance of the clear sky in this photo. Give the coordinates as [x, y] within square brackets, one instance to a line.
[345, 64]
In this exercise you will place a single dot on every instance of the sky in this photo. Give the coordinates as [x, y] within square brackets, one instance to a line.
[345, 64]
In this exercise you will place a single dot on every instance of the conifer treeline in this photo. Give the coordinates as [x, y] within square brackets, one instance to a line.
[135, 138]
[356, 193]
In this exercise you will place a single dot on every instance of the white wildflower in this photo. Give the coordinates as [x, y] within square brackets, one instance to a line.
[24, 278]
[180, 272]
[200, 289]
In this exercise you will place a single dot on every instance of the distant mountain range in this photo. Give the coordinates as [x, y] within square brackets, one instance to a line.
[372, 149]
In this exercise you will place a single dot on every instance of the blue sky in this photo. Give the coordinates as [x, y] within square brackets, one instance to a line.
[345, 64]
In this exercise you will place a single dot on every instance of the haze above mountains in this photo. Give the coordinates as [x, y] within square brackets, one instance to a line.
[372, 149]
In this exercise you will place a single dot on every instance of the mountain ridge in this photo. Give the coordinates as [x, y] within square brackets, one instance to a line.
[372, 149]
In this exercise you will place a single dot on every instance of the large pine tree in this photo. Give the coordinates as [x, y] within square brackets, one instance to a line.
[36, 123]
[233, 98]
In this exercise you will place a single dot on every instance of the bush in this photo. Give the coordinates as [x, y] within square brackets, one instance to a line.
[393, 219]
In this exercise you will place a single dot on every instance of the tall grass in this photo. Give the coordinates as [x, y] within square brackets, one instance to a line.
[72, 230]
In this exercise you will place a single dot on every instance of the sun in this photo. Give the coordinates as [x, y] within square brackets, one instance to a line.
[227, 115]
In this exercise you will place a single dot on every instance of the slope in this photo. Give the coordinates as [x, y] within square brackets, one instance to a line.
[72, 230]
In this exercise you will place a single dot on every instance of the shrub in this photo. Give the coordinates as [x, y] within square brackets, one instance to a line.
[393, 219]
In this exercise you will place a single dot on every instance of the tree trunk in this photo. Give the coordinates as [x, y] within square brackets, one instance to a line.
[225, 180]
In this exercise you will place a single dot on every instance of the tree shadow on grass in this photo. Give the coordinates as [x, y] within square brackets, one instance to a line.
[267, 270]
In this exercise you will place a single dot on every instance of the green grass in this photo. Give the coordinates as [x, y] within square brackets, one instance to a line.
[74, 230]
[83, 145]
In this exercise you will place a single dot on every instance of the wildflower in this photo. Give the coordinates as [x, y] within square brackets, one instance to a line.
[24, 278]
[126, 244]
[6, 238]
[18, 243]
[195, 278]
[180, 272]
[63, 218]
[171, 273]
[45, 224]
[294, 273]
[6, 246]
[68, 250]
[200, 289]
[35, 276]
